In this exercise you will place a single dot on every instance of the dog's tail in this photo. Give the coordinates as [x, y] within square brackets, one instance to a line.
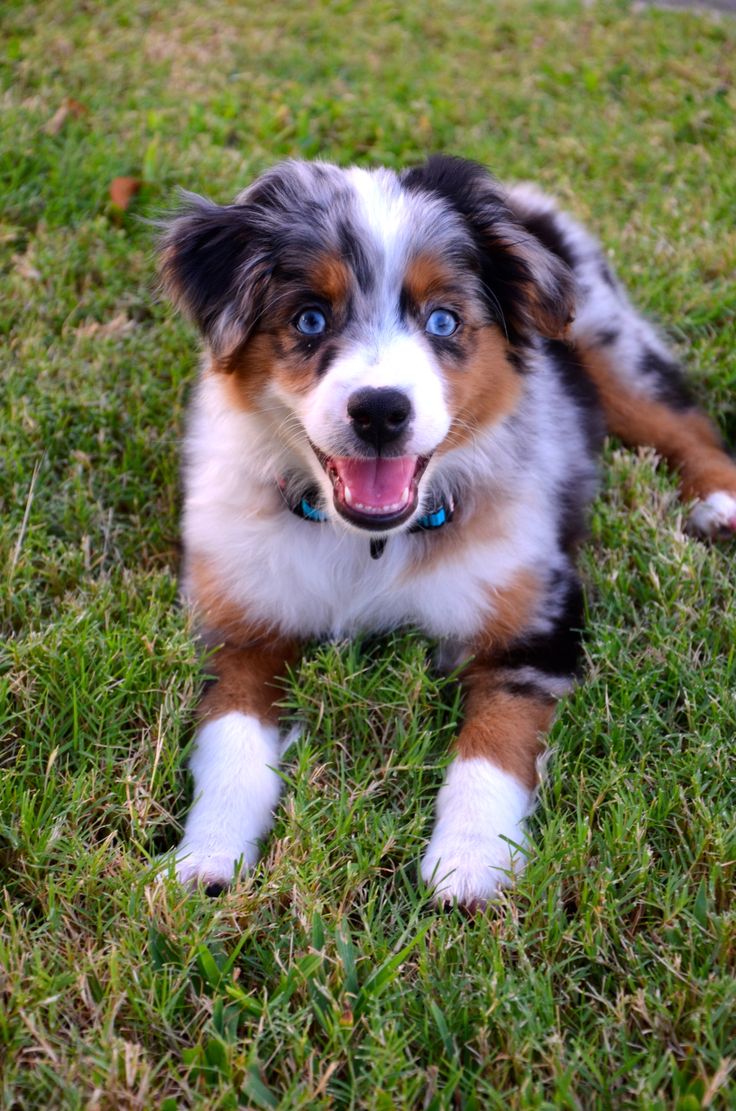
[643, 392]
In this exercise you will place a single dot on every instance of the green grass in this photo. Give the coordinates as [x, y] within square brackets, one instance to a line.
[607, 978]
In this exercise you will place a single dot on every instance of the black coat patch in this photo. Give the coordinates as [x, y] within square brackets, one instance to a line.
[668, 380]
[558, 652]
[544, 226]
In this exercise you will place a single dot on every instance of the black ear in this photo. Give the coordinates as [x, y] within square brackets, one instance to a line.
[528, 286]
[212, 267]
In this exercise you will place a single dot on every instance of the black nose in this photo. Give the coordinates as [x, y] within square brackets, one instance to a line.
[379, 416]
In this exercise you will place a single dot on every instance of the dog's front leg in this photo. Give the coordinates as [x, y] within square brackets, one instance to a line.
[478, 840]
[234, 764]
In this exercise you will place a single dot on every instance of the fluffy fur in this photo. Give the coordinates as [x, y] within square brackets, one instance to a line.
[383, 344]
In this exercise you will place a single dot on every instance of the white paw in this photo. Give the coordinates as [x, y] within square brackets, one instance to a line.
[236, 788]
[477, 844]
[471, 873]
[714, 515]
[194, 866]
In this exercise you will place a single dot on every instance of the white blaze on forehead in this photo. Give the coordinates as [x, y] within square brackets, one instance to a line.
[400, 223]
[381, 203]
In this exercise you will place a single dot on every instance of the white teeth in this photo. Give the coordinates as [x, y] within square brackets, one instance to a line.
[377, 510]
[380, 510]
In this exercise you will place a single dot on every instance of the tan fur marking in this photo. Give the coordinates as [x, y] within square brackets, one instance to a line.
[500, 726]
[247, 680]
[247, 371]
[217, 615]
[251, 657]
[168, 273]
[483, 390]
[687, 440]
[512, 607]
[331, 278]
[485, 386]
[505, 728]
[553, 317]
[426, 277]
[250, 370]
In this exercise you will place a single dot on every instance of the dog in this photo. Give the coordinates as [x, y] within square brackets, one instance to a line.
[406, 381]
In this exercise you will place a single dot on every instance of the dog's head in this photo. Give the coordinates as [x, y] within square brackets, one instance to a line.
[375, 319]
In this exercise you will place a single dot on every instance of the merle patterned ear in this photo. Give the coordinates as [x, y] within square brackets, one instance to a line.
[528, 287]
[548, 287]
[211, 268]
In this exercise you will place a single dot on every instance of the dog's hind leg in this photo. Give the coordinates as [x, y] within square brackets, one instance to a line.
[643, 392]
[683, 436]
[655, 410]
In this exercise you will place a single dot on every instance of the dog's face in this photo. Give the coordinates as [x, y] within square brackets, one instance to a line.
[375, 320]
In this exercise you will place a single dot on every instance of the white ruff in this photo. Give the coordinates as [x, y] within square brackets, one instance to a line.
[235, 791]
[472, 852]
[234, 519]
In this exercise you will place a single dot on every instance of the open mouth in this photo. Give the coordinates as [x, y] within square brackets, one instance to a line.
[375, 494]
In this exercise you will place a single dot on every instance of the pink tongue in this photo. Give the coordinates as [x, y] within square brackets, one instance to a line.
[376, 482]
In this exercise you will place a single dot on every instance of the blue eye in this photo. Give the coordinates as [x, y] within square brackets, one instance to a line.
[311, 322]
[441, 323]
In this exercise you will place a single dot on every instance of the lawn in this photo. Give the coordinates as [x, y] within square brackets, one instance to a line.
[326, 980]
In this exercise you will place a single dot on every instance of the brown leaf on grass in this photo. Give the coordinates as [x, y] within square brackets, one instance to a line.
[25, 268]
[122, 191]
[119, 325]
[70, 107]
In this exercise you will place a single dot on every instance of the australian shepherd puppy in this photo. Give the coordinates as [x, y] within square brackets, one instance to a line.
[406, 382]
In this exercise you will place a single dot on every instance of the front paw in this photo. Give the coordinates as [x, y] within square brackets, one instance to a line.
[470, 869]
[236, 790]
[196, 866]
[477, 846]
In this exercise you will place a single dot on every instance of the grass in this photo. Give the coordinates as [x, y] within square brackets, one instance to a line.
[607, 978]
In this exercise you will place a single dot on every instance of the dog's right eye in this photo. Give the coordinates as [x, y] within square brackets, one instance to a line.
[311, 322]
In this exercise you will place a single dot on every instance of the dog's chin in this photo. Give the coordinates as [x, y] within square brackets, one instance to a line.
[378, 494]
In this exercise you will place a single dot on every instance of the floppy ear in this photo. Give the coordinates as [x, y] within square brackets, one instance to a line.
[545, 283]
[212, 268]
[528, 286]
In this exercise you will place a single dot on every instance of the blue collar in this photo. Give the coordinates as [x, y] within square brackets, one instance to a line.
[305, 508]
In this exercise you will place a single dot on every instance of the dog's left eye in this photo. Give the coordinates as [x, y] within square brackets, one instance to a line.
[311, 322]
[442, 323]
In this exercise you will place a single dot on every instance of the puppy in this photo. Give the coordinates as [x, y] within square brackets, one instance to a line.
[405, 385]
